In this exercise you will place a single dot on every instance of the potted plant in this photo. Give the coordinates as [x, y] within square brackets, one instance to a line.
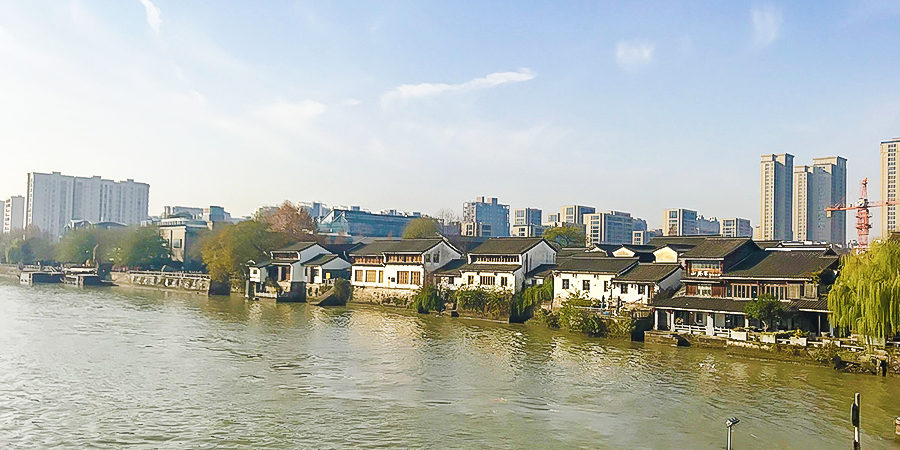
[799, 338]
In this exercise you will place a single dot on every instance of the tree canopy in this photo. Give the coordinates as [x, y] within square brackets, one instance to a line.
[766, 309]
[227, 251]
[566, 236]
[291, 220]
[865, 298]
[142, 247]
[422, 227]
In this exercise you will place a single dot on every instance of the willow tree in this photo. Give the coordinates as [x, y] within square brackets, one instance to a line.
[865, 297]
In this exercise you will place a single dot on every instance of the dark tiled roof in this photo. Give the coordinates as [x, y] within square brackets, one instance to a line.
[506, 246]
[321, 260]
[451, 268]
[582, 253]
[733, 306]
[263, 263]
[595, 265]
[299, 246]
[649, 272]
[716, 247]
[662, 241]
[396, 246]
[639, 248]
[782, 264]
[541, 271]
[490, 267]
[767, 244]
[677, 248]
[465, 244]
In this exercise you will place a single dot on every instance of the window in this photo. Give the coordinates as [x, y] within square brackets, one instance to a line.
[743, 291]
[641, 289]
[370, 276]
[415, 278]
[176, 243]
[605, 285]
[381, 276]
[704, 290]
[624, 289]
[436, 258]
[487, 280]
[565, 283]
[428, 257]
[403, 277]
[358, 275]
[502, 281]
[450, 280]
[586, 285]
[471, 279]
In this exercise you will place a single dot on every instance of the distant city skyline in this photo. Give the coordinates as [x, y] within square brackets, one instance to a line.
[619, 107]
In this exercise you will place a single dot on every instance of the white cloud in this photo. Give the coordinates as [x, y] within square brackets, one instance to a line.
[289, 115]
[766, 24]
[634, 54]
[153, 15]
[414, 91]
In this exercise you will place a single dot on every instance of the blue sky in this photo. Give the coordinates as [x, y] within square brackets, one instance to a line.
[633, 106]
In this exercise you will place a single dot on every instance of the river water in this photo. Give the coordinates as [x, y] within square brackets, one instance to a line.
[112, 368]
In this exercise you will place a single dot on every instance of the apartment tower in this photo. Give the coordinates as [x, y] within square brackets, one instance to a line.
[776, 197]
[817, 187]
[889, 186]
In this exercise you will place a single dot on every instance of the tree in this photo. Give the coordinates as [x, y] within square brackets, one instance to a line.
[566, 236]
[865, 297]
[142, 247]
[765, 308]
[289, 219]
[446, 216]
[77, 246]
[228, 250]
[422, 227]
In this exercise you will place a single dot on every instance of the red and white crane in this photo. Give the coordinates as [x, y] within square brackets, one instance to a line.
[862, 213]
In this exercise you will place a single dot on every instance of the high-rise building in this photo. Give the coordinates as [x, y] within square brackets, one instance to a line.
[527, 216]
[486, 210]
[2, 214]
[553, 217]
[575, 213]
[679, 222]
[776, 197]
[13, 214]
[610, 227]
[55, 199]
[889, 186]
[817, 187]
[707, 227]
[735, 227]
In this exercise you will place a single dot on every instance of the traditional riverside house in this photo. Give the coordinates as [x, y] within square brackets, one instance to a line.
[589, 277]
[509, 263]
[396, 268]
[644, 253]
[640, 284]
[285, 276]
[722, 274]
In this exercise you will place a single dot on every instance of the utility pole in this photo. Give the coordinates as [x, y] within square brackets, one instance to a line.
[854, 419]
[730, 423]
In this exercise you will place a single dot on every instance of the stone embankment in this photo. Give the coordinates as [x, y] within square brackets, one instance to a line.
[832, 352]
[174, 281]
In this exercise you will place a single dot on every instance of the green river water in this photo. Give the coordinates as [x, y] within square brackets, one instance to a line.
[116, 368]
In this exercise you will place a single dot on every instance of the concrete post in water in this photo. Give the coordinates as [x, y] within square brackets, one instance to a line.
[730, 423]
[897, 426]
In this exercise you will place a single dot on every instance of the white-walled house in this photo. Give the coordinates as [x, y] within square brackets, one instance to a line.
[509, 263]
[638, 286]
[396, 268]
[288, 269]
[588, 277]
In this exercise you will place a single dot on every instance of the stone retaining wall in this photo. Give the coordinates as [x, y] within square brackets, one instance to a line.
[382, 296]
[175, 281]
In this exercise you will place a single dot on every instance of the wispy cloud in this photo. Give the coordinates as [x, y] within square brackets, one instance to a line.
[154, 15]
[289, 115]
[634, 54]
[414, 91]
[766, 25]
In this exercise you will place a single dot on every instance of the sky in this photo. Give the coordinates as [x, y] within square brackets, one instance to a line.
[419, 106]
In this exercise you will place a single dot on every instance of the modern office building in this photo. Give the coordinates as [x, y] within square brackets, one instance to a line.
[776, 197]
[363, 223]
[575, 213]
[527, 216]
[735, 227]
[13, 214]
[610, 227]
[642, 237]
[487, 210]
[552, 217]
[477, 229]
[817, 187]
[529, 230]
[889, 186]
[181, 211]
[707, 227]
[55, 199]
[679, 222]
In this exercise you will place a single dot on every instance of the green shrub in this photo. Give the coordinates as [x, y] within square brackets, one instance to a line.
[429, 298]
[493, 304]
[545, 317]
[580, 320]
[343, 292]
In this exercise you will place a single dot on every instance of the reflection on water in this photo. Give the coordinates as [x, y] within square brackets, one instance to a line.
[110, 368]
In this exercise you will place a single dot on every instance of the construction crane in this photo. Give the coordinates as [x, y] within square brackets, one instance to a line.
[862, 214]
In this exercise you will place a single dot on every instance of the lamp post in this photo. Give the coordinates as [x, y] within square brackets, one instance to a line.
[730, 423]
[854, 419]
